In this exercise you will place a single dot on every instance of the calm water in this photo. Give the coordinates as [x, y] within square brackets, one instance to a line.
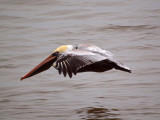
[31, 30]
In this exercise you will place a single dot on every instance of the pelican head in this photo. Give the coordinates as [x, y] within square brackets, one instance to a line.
[48, 62]
[63, 48]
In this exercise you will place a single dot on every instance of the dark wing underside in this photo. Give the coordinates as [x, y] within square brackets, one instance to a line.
[100, 66]
[71, 61]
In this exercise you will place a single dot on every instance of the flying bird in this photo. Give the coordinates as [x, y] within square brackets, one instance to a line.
[70, 59]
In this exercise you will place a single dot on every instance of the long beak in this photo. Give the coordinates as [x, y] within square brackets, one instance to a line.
[44, 65]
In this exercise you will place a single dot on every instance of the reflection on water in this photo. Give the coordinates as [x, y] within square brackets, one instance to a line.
[31, 30]
[97, 113]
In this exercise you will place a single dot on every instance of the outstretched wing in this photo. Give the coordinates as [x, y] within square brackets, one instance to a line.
[70, 61]
[110, 59]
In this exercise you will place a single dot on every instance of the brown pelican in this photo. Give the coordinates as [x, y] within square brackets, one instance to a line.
[69, 59]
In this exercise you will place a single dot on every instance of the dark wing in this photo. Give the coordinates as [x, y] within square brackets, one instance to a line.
[70, 61]
[110, 59]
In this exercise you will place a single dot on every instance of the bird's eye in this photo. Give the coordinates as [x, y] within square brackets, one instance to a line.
[55, 53]
[76, 47]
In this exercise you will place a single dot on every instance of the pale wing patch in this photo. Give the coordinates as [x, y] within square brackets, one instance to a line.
[95, 49]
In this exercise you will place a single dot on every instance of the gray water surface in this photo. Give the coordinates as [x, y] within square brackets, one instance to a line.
[31, 30]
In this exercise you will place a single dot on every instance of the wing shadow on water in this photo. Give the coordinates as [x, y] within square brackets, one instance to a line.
[98, 113]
